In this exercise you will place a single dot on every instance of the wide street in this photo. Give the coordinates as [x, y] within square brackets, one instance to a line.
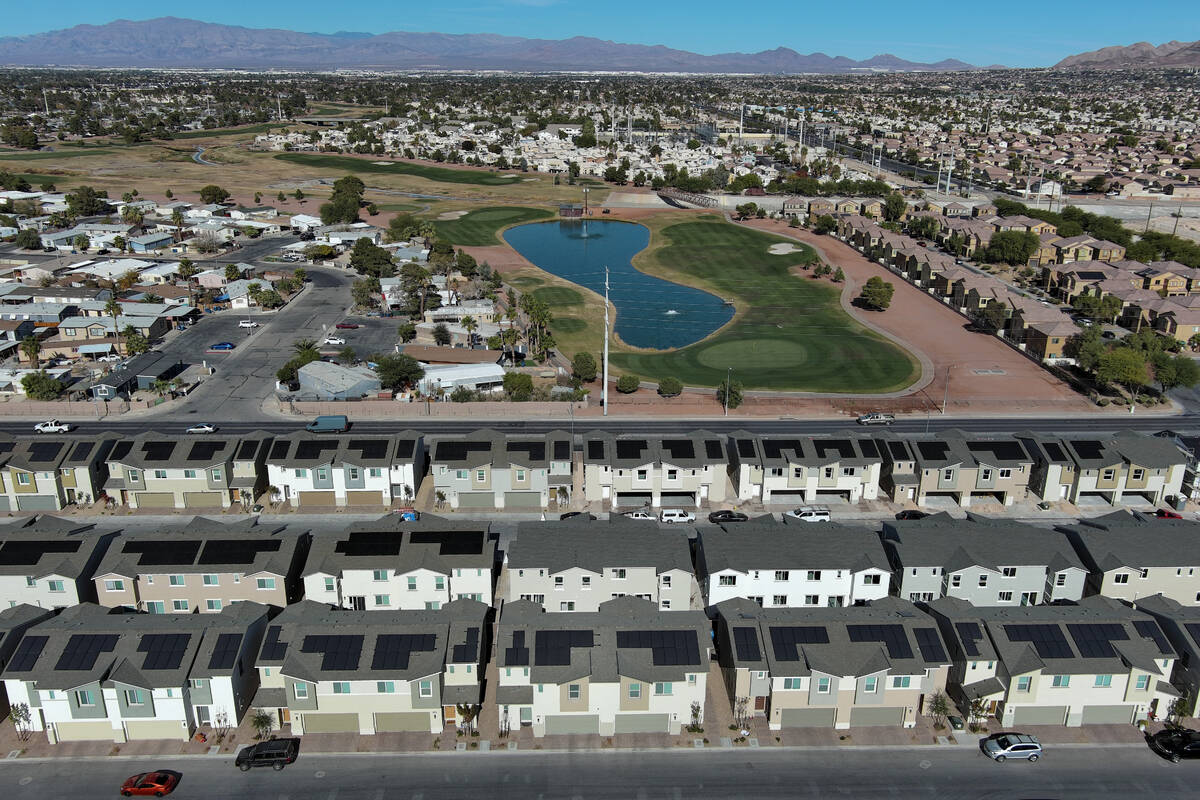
[935, 772]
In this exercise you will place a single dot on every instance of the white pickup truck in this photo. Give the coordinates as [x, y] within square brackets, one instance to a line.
[52, 426]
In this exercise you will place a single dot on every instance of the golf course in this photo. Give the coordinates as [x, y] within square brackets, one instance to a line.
[481, 227]
[361, 166]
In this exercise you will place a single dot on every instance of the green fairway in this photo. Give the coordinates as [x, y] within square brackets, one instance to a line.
[73, 152]
[479, 228]
[526, 282]
[60, 181]
[568, 325]
[791, 332]
[558, 296]
[265, 127]
[361, 166]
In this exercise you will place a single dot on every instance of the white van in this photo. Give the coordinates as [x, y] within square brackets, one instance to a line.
[677, 515]
[810, 514]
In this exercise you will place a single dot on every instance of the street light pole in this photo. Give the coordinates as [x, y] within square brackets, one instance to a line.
[604, 399]
[728, 386]
[946, 391]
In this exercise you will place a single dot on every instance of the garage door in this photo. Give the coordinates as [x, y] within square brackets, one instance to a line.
[870, 715]
[807, 717]
[476, 500]
[572, 723]
[522, 499]
[317, 499]
[155, 499]
[399, 722]
[643, 723]
[37, 502]
[1107, 715]
[202, 499]
[364, 498]
[155, 729]
[1040, 715]
[329, 723]
[4, 506]
[84, 731]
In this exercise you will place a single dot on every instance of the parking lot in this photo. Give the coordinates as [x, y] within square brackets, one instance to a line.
[374, 335]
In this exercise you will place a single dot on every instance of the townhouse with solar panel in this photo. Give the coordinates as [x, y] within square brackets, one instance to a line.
[651, 471]
[51, 474]
[153, 470]
[202, 566]
[1181, 624]
[91, 673]
[831, 667]
[965, 467]
[804, 469]
[488, 470]
[1108, 468]
[311, 471]
[986, 561]
[1095, 662]
[14, 621]
[577, 565]
[333, 670]
[1130, 557]
[392, 563]
[627, 668]
[48, 562]
[783, 565]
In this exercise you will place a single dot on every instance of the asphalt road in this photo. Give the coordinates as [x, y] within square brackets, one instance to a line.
[942, 773]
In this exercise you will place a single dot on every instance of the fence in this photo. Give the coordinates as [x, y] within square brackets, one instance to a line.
[16, 406]
[387, 409]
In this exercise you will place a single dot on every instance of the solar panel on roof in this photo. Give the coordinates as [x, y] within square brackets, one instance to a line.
[1087, 448]
[45, 452]
[157, 451]
[784, 639]
[745, 448]
[934, 451]
[745, 642]
[714, 449]
[120, 450]
[667, 648]
[205, 451]
[247, 449]
[82, 450]
[454, 450]
[827, 448]
[1000, 449]
[1047, 640]
[162, 552]
[1193, 628]
[315, 449]
[679, 448]
[868, 448]
[83, 649]
[224, 654]
[15, 552]
[468, 650]
[1095, 640]
[518, 654]
[595, 449]
[451, 543]
[969, 633]
[393, 650]
[1054, 451]
[163, 650]
[1148, 629]
[236, 551]
[898, 450]
[369, 543]
[562, 450]
[930, 645]
[373, 449]
[272, 648]
[775, 448]
[279, 449]
[27, 653]
[630, 448]
[340, 652]
[553, 648]
[534, 451]
[894, 638]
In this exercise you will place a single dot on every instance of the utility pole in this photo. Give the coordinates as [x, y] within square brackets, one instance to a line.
[1177, 216]
[1148, 213]
[741, 122]
[604, 399]
[279, 106]
[46, 100]
[728, 386]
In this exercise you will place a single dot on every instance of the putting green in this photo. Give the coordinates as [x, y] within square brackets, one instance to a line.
[558, 296]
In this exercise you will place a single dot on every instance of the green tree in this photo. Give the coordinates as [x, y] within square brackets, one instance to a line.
[398, 371]
[1175, 371]
[838, 275]
[213, 194]
[1124, 366]
[825, 224]
[402, 227]
[28, 239]
[32, 348]
[583, 366]
[232, 273]
[729, 395]
[407, 332]
[135, 343]
[361, 293]
[81, 242]
[894, 206]
[670, 387]
[441, 334]
[263, 722]
[319, 252]
[1086, 347]
[877, 293]
[40, 386]
[923, 227]
[367, 258]
[345, 201]
[86, 202]
[1012, 247]
[628, 384]
[518, 386]
[939, 708]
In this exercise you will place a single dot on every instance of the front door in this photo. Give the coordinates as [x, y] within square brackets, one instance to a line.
[760, 703]
[1029, 598]
[357, 602]
[202, 717]
[285, 717]
[449, 713]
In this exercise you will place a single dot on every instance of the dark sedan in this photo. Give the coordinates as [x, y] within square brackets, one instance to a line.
[725, 515]
[1176, 745]
[911, 513]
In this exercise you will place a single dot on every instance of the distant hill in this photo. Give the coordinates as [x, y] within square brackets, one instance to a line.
[174, 42]
[1142, 55]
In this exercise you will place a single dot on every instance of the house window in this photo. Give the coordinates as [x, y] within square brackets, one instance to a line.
[983, 580]
[1142, 683]
[520, 476]
[1005, 472]
[215, 473]
[1009, 572]
[160, 474]
[134, 697]
[666, 580]
[322, 474]
[30, 580]
[23, 478]
[567, 606]
[83, 697]
[635, 691]
[1024, 683]
[947, 474]
[179, 605]
[828, 472]
[641, 474]
[385, 687]
[956, 581]
[573, 691]
[847, 472]
[1060, 579]
[1137, 474]
[134, 475]
[813, 575]
[375, 472]
[823, 685]
[901, 682]
[460, 474]
[870, 684]
[781, 574]
[810, 600]
[175, 580]
[1060, 681]
[558, 581]
[480, 476]
[985, 474]
[301, 473]
[211, 580]
[1143, 573]
[341, 687]
[439, 582]
[196, 684]
[382, 600]
[213, 605]
[156, 607]
[779, 599]
[1109, 474]
[728, 580]
[665, 605]
[586, 581]
[619, 574]
[300, 690]
[1103, 681]
[189, 473]
[872, 580]
[663, 689]
[329, 585]
[56, 586]
[1004, 597]
[434, 605]
[1121, 577]
[672, 474]
[266, 583]
[412, 583]
[114, 586]
[792, 683]
[353, 473]
[380, 575]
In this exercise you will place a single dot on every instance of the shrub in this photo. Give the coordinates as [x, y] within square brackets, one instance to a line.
[627, 384]
[669, 387]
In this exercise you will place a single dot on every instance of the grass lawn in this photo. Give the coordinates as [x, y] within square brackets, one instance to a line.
[264, 127]
[479, 228]
[74, 152]
[405, 207]
[790, 332]
[362, 166]
[63, 182]
[558, 296]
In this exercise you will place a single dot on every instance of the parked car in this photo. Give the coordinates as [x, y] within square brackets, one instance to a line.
[273, 753]
[1002, 746]
[52, 426]
[1176, 745]
[222, 346]
[157, 784]
[876, 418]
[347, 326]
[330, 423]
[672, 515]
[810, 514]
[201, 427]
[911, 513]
[638, 515]
[333, 340]
[578, 514]
[725, 515]
[247, 323]
[1166, 513]
[110, 358]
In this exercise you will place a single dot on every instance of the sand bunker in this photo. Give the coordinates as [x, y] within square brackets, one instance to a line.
[782, 249]
[449, 215]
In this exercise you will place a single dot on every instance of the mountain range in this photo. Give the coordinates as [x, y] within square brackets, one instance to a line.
[182, 43]
[1142, 55]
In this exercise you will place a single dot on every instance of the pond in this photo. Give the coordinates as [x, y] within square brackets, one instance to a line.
[651, 312]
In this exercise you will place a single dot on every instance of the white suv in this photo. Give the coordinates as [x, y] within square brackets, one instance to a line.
[810, 514]
[677, 515]
[247, 323]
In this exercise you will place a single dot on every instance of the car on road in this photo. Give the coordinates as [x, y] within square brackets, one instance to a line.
[1176, 745]
[810, 514]
[330, 423]
[638, 515]
[333, 340]
[726, 515]
[1166, 513]
[876, 418]
[578, 515]
[1002, 746]
[672, 515]
[153, 784]
[201, 427]
[347, 326]
[247, 323]
[911, 513]
[52, 426]
[110, 358]
[273, 753]
[224, 346]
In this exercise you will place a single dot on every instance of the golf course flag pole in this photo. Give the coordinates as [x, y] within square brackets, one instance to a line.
[604, 398]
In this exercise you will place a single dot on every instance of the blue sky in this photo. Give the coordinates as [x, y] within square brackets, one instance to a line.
[1016, 33]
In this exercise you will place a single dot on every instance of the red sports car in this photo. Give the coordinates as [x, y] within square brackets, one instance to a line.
[347, 326]
[151, 783]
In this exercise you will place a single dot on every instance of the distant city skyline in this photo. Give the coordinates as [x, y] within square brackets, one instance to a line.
[1021, 34]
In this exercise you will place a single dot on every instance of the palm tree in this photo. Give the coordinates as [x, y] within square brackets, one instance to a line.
[188, 271]
[113, 309]
[177, 221]
[469, 325]
[305, 347]
[161, 387]
[31, 347]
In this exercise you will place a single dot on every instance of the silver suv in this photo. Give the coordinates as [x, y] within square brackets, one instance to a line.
[1002, 746]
